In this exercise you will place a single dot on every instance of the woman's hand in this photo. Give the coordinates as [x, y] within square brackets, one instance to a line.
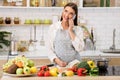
[60, 62]
[71, 25]
[70, 29]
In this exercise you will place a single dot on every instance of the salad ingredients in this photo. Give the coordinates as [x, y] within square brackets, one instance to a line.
[81, 72]
[85, 65]
[54, 71]
[91, 64]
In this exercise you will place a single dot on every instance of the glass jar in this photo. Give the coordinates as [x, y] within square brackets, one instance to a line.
[34, 3]
[16, 20]
[48, 3]
[63, 2]
[42, 3]
[1, 20]
[8, 20]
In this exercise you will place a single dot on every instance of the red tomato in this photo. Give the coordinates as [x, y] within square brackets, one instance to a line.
[81, 72]
[45, 68]
[40, 73]
[74, 68]
[47, 73]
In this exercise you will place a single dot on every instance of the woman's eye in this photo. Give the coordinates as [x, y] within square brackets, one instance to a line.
[65, 10]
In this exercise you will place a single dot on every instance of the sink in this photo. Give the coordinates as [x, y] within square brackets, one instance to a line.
[111, 51]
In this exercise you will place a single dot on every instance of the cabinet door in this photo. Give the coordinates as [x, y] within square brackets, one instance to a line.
[97, 3]
[13, 3]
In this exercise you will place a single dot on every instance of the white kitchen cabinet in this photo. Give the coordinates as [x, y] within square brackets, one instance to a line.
[27, 4]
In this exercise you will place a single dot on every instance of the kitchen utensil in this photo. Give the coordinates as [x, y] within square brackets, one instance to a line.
[49, 65]
[35, 34]
[42, 42]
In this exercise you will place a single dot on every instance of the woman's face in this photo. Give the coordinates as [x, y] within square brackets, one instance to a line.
[68, 13]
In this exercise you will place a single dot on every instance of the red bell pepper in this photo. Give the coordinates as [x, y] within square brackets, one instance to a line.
[81, 72]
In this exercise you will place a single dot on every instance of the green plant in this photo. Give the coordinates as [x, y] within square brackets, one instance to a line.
[85, 28]
[3, 40]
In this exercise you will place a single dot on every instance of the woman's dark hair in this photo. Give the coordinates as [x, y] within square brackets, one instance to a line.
[75, 8]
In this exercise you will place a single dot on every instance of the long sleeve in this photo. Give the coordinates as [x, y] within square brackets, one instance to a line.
[78, 42]
[50, 40]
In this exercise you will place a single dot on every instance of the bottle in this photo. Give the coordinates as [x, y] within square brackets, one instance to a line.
[88, 44]
[101, 3]
[53, 2]
[92, 35]
[107, 3]
[13, 45]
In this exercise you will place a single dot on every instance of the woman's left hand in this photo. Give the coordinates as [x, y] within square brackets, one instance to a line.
[71, 25]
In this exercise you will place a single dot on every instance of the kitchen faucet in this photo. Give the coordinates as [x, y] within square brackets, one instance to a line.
[113, 45]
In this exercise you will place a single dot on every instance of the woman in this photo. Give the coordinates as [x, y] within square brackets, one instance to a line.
[65, 38]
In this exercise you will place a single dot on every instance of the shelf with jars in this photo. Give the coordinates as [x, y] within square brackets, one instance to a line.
[58, 4]
[8, 21]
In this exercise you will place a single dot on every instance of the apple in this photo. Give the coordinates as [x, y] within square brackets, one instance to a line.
[36, 21]
[26, 70]
[28, 21]
[30, 63]
[19, 71]
[47, 21]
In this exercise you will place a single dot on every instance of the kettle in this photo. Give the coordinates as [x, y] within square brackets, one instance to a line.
[102, 64]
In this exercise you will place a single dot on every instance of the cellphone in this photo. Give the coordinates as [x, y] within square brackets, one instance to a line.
[74, 17]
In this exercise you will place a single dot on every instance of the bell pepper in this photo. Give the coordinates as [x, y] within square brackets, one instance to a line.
[94, 71]
[91, 64]
[81, 72]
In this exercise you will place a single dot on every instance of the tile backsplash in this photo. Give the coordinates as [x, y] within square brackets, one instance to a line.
[102, 20]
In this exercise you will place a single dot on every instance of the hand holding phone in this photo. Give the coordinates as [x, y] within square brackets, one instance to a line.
[74, 17]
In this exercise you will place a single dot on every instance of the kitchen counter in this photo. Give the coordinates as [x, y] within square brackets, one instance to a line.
[38, 54]
[43, 53]
[63, 78]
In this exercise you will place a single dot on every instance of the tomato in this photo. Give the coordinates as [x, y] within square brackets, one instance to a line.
[40, 73]
[47, 73]
[74, 68]
[81, 72]
[45, 68]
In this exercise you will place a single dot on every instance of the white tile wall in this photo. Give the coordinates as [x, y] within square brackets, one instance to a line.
[103, 21]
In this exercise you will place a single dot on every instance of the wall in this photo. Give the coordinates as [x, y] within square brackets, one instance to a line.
[103, 21]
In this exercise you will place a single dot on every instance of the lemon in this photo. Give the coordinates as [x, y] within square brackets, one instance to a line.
[33, 69]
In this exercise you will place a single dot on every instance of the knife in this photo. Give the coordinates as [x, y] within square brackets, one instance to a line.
[49, 65]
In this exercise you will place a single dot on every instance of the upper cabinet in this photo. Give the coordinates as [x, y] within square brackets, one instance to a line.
[58, 3]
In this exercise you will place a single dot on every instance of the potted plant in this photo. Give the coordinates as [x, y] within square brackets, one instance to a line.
[3, 39]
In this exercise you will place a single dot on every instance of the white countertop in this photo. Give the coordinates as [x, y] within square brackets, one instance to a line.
[43, 53]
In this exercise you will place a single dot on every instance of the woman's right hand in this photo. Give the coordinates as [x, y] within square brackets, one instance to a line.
[60, 62]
